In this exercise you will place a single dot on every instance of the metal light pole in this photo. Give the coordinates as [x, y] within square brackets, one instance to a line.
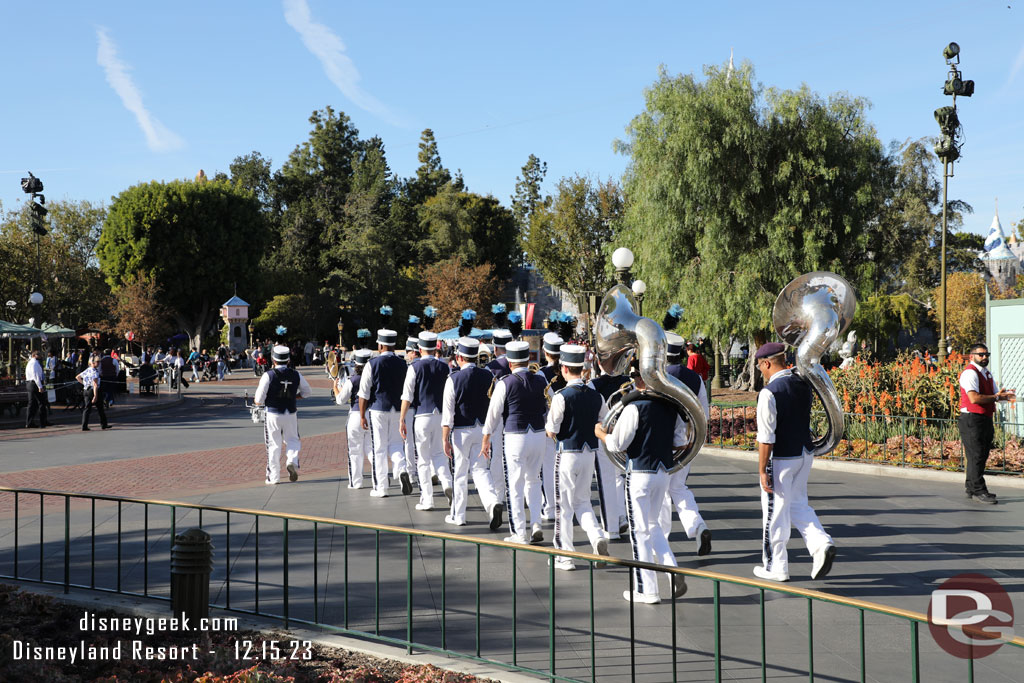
[948, 150]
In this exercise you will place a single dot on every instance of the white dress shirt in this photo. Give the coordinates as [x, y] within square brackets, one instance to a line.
[344, 391]
[365, 380]
[767, 416]
[34, 373]
[970, 381]
[264, 386]
[557, 411]
[626, 426]
[496, 408]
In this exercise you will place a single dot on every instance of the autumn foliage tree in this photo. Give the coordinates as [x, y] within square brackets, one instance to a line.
[452, 288]
[135, 307]
[965, 309]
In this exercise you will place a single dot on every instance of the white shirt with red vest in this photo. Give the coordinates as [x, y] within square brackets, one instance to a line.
[979, 379]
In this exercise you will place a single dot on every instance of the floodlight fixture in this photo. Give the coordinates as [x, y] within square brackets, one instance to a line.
[947, 119]
[946, 149]
[31, 184]
[951, 51]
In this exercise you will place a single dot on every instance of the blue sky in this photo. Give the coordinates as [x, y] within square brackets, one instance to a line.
[100, 96]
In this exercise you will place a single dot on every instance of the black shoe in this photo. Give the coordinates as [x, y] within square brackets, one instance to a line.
[435, 481]
[986, 498]
[105, 427]
[85, 429]
[448, 493]
[496, 516]
[705, 542]
[678, 585]
[406, 483]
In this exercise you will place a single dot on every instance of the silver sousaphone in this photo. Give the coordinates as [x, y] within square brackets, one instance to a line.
[811, 313]
[619, 335]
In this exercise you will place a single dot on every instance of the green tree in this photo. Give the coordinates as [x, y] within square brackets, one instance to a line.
[61, 265]
[431, 175]
[730, 183]
[880, 318]
[965, 309]
[293, 311]
[196, 241]
[475, 228]
[253, 173]
[567, 237]
[528, 198]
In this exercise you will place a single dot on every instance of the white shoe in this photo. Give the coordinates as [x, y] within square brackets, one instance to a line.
[762, 573]
[424, 506]
[269, 483]
[517, 539]
[451, 520]
[565, 564]
[703, 541]
[378, 493]
[641, 597]
[600, 548]
[823, 561]
[357, 485]
[538, 534]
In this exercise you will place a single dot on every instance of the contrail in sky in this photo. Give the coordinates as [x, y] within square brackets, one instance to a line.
[158, 137]
[330, 50]
[1017, 66]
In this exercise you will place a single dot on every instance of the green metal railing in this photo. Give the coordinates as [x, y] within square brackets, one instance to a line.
[889, 439]
[76, 555]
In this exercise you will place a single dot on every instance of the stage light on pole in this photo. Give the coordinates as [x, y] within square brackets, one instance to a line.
[951, 51]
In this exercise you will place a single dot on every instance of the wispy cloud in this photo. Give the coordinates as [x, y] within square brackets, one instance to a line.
[158, 137]
[1017, 66]
[330, 50]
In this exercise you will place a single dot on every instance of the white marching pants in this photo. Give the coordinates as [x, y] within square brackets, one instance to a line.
[467, 460]
[611, 491]
[547, 477]
[409, 462]
[524, 455]
[281, 431]
[680, 497]
[386, 442]
[787, 507]
[430, 457]
[645, 496]
[573, 473]
[358, 448]
[497, 464]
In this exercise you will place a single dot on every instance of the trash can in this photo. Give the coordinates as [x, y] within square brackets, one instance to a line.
[191, 563]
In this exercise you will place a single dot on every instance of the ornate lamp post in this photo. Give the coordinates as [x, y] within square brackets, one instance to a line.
[948, 150]
[622, 259]
[639, 288]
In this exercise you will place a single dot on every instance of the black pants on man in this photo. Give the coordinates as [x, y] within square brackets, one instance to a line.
[89, 405]
[37, 403]
[977, 434]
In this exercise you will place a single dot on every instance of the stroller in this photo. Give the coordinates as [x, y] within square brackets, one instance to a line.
[209, 370]
[260, 364]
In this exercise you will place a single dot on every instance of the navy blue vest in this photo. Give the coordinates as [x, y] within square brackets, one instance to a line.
[284, 385]
[471, 385]
[607, 385]
[387, 375]
[582, 406]
[499, 367]
[793, 416]
[525, 404]
[652, 443]
[353, 398]
[687, 376]
[428, 390]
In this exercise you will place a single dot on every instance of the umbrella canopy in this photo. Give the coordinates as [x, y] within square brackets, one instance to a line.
[56, 331]
[15, 331]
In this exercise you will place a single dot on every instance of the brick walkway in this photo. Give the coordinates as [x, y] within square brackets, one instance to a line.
[167, 476]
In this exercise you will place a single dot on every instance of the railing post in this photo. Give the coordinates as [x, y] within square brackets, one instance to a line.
[67, 544]
[284, 570]
[408, 594]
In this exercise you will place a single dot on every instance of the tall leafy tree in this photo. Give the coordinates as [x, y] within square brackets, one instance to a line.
[61, 265]
[453, 286]
[965, 309]
[528, 198]
[431, 175]
[197, 241]
[474, 227]
[567, 237]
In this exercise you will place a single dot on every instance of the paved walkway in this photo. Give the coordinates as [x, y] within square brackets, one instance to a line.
[898, 539]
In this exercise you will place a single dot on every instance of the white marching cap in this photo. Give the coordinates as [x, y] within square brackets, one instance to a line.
[427, 340]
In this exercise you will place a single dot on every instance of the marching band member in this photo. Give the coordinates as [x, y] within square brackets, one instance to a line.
[517, 400]
[358, 438]
[499, 368]
[784, 463]
[380, 395]
[423, 392]
[278, 390]
[570, 424]
[679, 494]
[553, 379]
[464, 411]
[647, 431]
